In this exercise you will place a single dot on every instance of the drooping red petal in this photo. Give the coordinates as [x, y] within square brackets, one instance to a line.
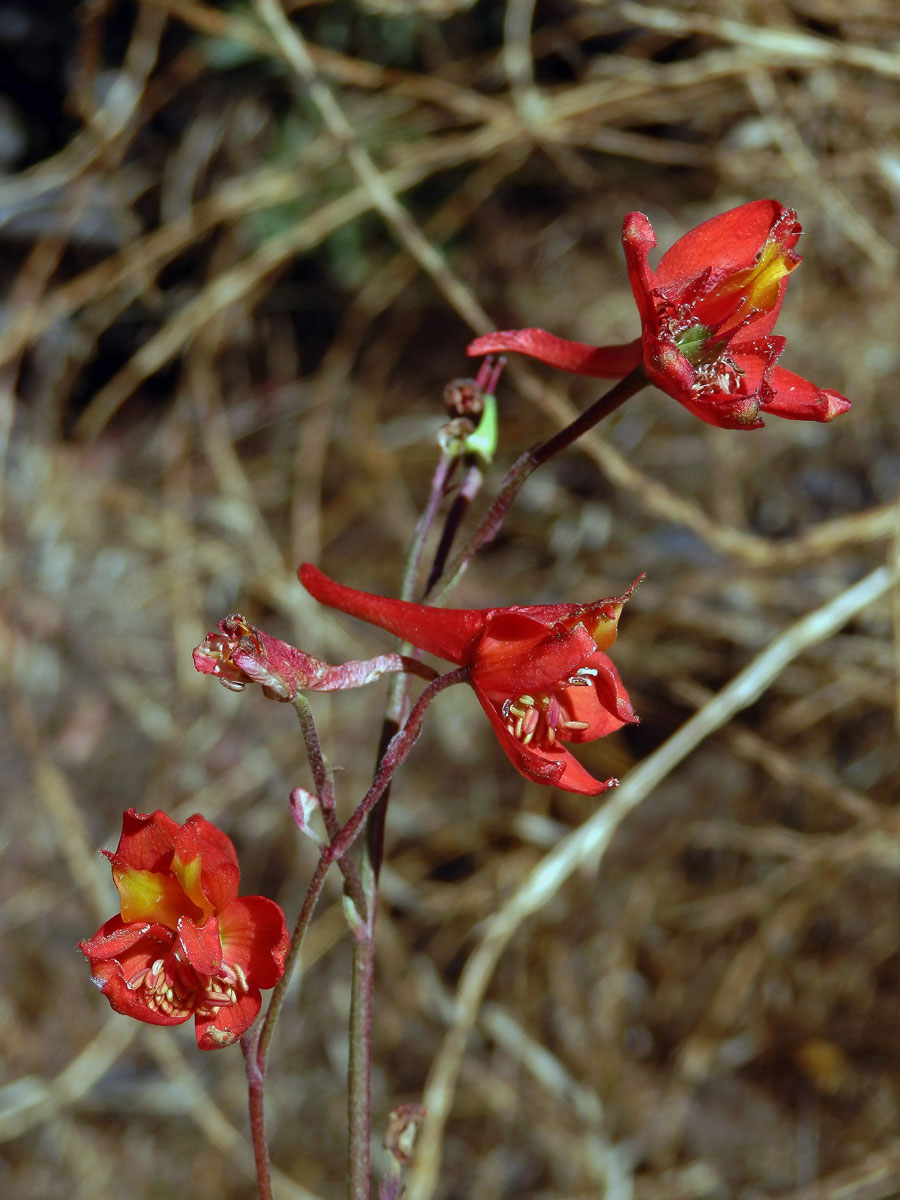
[134, 955]
[229, 1024]
[727, 242]
[450, 633]
[112, 981]
[254, 936]
[147, 840]
[799, 400]
[605, 705]
[600, 362]
[725, 412]
[558, 768]
[576, 778]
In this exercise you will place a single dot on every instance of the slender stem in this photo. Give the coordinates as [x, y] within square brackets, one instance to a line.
[398, 690]
[468, 491]
[256, 1093]
[529, 462]
[400, 745]
[324, 781]
[309, 903]
[359, 1070]
[443, 473]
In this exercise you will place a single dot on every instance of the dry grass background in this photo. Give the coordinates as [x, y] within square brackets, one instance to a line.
[239, 265]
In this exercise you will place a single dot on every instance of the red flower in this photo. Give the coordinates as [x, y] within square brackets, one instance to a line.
[240, 654]
[538, 672]
[185, 945]
[707, 315]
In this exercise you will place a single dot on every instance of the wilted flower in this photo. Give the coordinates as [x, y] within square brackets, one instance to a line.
[707, 315]
[539, 672]
[185, 945]
[240, 654]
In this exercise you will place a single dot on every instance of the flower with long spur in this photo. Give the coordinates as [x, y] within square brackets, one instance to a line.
[184, 943]
[240, 654]
[707, 314]
[538, 671]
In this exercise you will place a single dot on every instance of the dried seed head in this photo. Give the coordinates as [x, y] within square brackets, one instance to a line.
[464, 398]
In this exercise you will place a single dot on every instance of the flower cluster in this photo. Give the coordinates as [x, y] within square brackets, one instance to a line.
[707, 314]
[185, 944]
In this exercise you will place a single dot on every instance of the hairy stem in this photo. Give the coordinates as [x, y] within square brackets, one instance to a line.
[400, 745]
[471, 485]
[323, 777]
[256, 1092]
[309, 903]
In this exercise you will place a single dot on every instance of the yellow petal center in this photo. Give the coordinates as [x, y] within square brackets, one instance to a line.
[759, 284]
[150, 896]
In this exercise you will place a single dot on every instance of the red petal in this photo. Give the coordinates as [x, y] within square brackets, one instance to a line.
[605, 706]
[201, 946]
[600, 362]
[725, 412]
[111, 975]
[727, 242]
[800, 400]
[113, 939]
[576, 778]
[151, 896]
[147, 840]
[638, 239]
[207, 858]
[255, 937]
[450, 633]
[507, 665]
[111, 981]
[229, 1024]
[559, 768]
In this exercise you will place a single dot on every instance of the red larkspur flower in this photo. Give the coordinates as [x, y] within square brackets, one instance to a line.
[539, 672]
[707, 314]
[185, 945]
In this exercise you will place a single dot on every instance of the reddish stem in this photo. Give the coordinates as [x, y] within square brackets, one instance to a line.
[256, 1093]
[309, 903]
[469, 489]
[400, 745]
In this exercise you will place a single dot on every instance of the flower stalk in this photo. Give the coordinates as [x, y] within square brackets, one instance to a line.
[528, 463]
[256, 1093]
